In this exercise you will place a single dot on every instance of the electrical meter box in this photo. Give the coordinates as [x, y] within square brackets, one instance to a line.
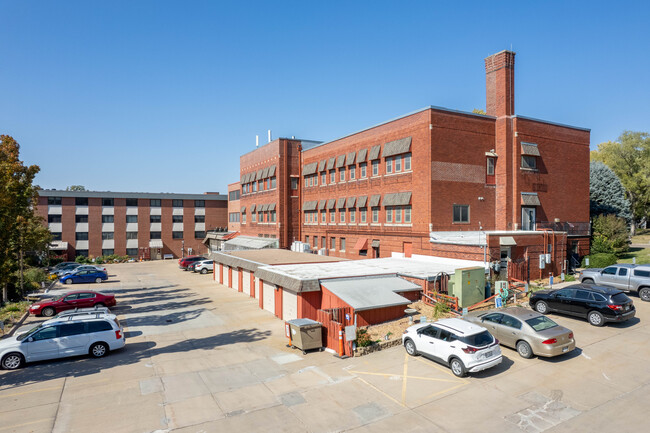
[468, 285]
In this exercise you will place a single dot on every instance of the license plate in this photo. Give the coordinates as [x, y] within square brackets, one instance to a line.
[487, 355]
[627, 307]
[565, 349]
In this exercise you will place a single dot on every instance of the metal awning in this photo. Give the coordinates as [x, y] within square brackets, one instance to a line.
[321, 165]
[265, 173]
[310, 205]
[374, 152]
[361, 201]
[242, 209]
[252, 208]
[361, 155]
[350, 202]
[272, 170]
[340, 161]
[374, 200]
[529, 149]
[340, 203]
[362, 244]
[375, 243]
[321, 204]
[397, 199]
[397, 147]
[263, 208]
[350, 158]
[330, 163]
[530, 199]
[259, 174]
[330, 203]
[155, 243]
[272, 206]
[370, 293]
[309, 169]
[507, 241]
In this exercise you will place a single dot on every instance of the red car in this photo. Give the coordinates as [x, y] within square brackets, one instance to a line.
[71, 300]
[184, 262]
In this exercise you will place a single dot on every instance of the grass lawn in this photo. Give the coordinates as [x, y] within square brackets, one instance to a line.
[642, 254]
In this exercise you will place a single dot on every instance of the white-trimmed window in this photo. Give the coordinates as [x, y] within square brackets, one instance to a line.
[332, 216]
[389, 215]
[323, 216]
[375, 167]
[253, 217]
[342, 215]
[323, 178]
[353, 215]
[529, 162]
[407, 214]
[362, 169]
[407, 162]
[389, 165]
[342, 243]
[332, 176]
[461, 213]
[363, 214]
[333, 244]
[342, 174]
[375, 214]
[490, 166]
[353, 172]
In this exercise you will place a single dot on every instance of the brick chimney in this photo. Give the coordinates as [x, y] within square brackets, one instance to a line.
[500, 84]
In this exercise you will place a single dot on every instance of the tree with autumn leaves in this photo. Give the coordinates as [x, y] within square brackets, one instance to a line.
[21, 230]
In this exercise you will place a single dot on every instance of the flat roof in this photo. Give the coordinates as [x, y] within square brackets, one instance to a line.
[306, 277]
[475, 237]
[145, 195]
[369, 293]
[276, 256]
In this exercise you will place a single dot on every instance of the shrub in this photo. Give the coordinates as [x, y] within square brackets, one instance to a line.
[82, 259]
[34, 277]
[610, 235]
[363, 338]
[440, 308]
[600, 260]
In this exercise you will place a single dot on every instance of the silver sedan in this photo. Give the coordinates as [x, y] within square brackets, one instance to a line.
[527, 331]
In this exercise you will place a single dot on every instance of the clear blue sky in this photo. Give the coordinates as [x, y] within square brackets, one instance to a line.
[163, 96]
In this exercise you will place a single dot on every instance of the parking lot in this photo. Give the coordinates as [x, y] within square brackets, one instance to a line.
[202, 357]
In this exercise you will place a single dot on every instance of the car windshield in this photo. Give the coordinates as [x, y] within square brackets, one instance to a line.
[24, 335]
[541, 323]
[481, 339]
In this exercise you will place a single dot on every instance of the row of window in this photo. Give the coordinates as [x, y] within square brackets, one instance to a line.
[261, 217]
[393, 215]
[83, 236]
[108, 252]
[233, 217]
[83, 201]
[392, 164]
[233, 195]
[260, 185]
[129, 218]
[332, 246]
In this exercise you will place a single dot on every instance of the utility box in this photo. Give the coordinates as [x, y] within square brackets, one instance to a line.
[305, 334]
[468, 285]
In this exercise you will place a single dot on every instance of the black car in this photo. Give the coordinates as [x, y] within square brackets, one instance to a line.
[595, 303]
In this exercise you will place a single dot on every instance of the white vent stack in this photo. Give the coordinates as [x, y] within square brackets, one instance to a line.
[269, 135]
[257, 141]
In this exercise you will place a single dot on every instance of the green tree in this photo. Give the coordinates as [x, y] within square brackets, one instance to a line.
[606, 193]
[17, 195]
[610, 235]
[75, 188]
[629, 159]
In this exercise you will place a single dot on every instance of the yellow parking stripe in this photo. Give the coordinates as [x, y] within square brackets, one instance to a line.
[410, 377]
[405, 376]
[379, 390]
[30, 392]
[24, 424]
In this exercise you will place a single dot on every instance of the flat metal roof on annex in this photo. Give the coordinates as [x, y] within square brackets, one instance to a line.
[476, 238]
[145, 195]
[307, 277]
[251, 260]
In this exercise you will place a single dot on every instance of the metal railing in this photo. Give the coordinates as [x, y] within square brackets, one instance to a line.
[572, 228]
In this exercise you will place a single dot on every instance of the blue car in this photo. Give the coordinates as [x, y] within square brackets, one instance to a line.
[84, 276]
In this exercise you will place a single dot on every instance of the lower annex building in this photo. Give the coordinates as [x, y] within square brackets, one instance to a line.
[498, 187]
[140, 225]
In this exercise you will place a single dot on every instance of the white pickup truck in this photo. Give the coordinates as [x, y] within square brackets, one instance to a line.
[629, 278]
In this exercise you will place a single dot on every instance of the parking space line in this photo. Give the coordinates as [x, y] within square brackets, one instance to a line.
[30, 392]
[444, 370]
[406, 364]
[410, 377]
[25, 424]
[378, 390]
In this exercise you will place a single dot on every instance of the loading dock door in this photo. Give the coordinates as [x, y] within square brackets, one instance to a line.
[289, 305]
[226, 276]
[256, 288]
[269, 297]
[246, 282]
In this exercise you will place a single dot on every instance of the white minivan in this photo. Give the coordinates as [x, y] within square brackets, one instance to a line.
[93, 334]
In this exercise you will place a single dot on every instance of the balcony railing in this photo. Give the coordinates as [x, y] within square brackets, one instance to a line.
[572, 228]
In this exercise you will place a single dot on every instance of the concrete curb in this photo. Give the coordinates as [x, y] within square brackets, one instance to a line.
[16, 326]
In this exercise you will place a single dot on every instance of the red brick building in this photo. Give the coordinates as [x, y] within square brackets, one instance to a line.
[90, 223]
[392, 187]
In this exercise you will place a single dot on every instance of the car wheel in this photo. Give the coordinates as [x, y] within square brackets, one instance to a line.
[524, 350]
[644, 294]
[457, 367]
[204, 271]
[409, 345]
[541, 307]
[48, 312]
[98, 280]
[12, 361]
[68, 281]
[98, 350]
[587, 281]
[595, 318]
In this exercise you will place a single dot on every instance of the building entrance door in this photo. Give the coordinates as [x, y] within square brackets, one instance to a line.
[528, 218]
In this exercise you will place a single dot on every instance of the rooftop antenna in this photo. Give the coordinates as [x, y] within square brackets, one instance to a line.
[257, 141]
[269, 135]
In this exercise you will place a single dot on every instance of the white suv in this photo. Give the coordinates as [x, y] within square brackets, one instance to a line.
[92, 334]
[463, 346]
[204, 266]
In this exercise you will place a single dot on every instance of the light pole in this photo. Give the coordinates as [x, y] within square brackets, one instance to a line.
[183, 248]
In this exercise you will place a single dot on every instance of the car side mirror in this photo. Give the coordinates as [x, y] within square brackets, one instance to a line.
[30, 339]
